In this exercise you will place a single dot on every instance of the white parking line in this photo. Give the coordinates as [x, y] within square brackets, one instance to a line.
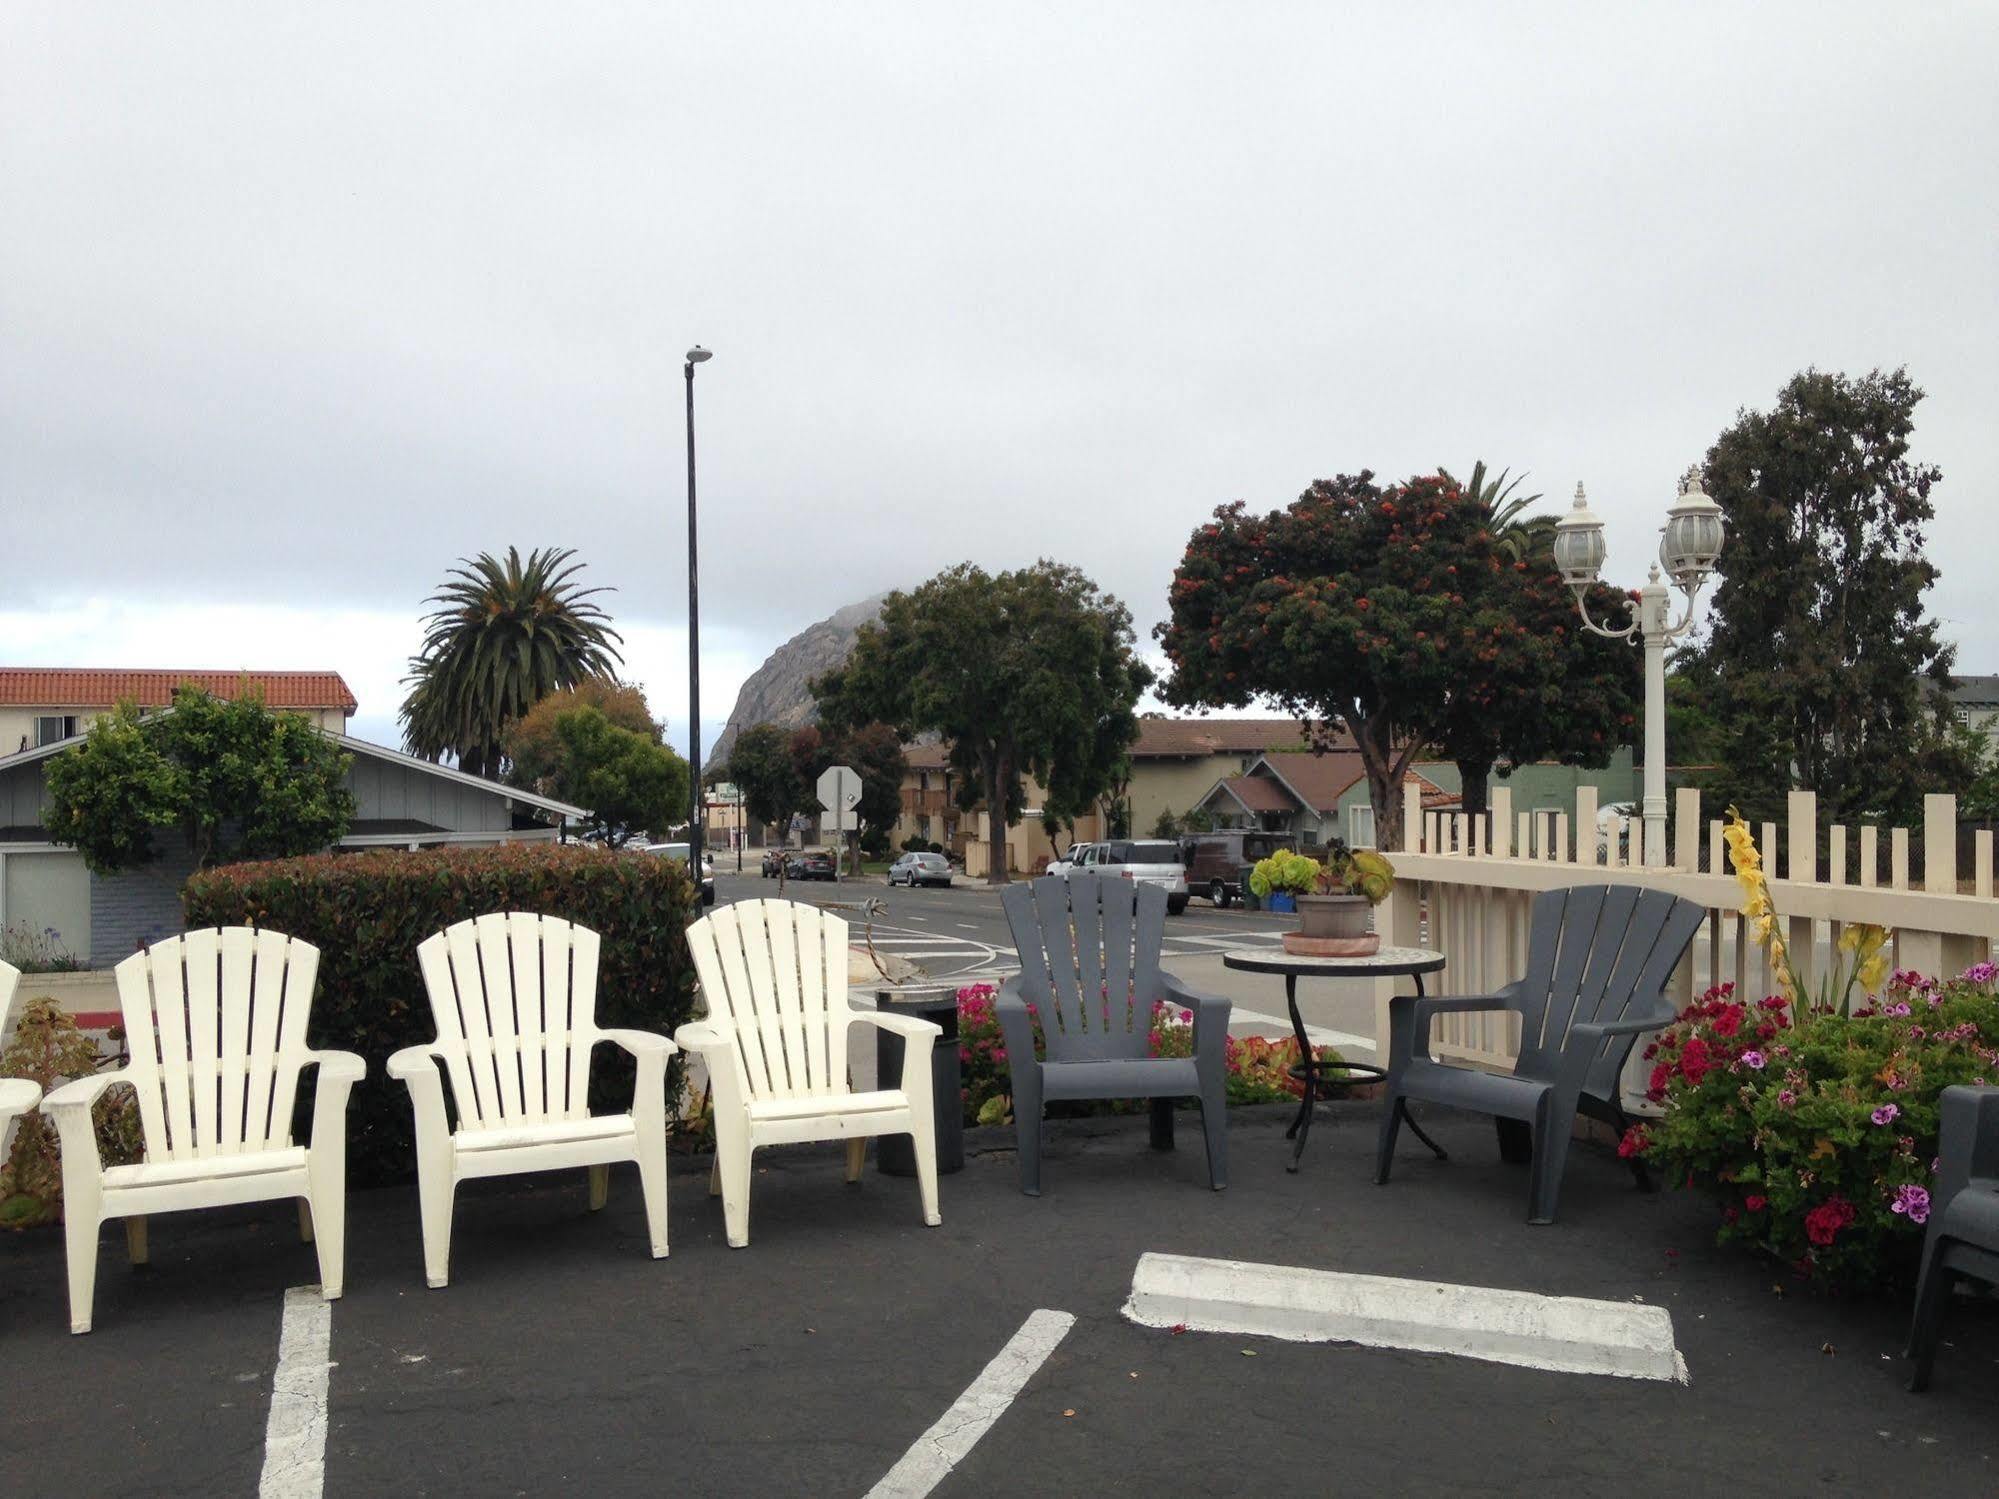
[1568, 1334]
[971, 1416]
[295, 1432]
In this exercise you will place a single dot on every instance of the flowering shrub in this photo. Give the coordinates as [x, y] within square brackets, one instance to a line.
[1819, 1137]
[1258, 1070]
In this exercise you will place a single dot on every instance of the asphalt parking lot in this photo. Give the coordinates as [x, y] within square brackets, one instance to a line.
[563, 1360]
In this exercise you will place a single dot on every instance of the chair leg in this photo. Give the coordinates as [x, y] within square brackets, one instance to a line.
[600, 1187]
[305, 1220]
[923, 1145]
[1391, 1126]
[1926, 1324]
[435, 1190]
[136, 1249]
[857, 1155]
[1027, 1144]
[732, 1155]
[1215, 1130]
[1162, 1124]
[1552, 1129]
[652, 1186]
[80, 1220]
[715, 1175]
[326, 1214]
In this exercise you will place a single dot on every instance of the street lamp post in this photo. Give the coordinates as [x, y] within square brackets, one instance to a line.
[695, 355]
[1691, 541]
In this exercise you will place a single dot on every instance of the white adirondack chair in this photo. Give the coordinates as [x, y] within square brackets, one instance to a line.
[774, 974]
[17, 1094]
[514, 996]
[215, 1022]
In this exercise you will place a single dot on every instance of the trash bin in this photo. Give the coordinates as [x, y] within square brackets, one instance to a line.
[893, 1153]
[1249, 900]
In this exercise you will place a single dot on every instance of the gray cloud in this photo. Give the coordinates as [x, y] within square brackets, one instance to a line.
[300, 305]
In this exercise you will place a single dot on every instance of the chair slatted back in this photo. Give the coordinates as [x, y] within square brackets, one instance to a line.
[514, 995]
[1598, 953]
[1089, 961]
[774, 972]
[215, 1023]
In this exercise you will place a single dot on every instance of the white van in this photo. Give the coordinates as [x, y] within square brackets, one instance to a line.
[1151, 861]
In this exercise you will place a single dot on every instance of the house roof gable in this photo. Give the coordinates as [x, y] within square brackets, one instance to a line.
[95, 687]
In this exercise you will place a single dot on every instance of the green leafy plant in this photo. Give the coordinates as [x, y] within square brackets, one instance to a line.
[1819, 1138]
[1356, 871]
[49, 1049]
[34, 951]
[1285, 870]
[234, 778]
[366, 913]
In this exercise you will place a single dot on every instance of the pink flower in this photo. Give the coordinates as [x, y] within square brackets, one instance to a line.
[1752, 1059]
[1786, 1098]
[1886, 1114]
[1913, 1201]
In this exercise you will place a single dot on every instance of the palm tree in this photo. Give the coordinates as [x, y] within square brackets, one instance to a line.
[1519, 535]
[503, 636]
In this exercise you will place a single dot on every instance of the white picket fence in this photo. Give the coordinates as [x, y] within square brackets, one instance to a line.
[1464, 885]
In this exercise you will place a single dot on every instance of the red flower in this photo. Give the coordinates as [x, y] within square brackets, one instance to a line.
[1634, 1142]
[1655, 1088]
[1823, 1223]
[1755, 1202]
[1728, 1020]
[1696, 1061]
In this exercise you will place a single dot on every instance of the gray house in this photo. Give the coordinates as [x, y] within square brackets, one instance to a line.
[400, 802]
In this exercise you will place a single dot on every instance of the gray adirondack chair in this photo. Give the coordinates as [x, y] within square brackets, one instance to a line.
[1598, 960]
[1962, 1241]
[1089, 967]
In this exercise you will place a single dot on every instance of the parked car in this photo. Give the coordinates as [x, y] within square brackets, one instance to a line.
[920, 869]
[682, 852]
[1148, 861]
[810, 864]
[1070, 860]
[773, 861]
[1215, 861]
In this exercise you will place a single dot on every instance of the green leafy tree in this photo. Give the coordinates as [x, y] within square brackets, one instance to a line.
[761, 766]
[534, 751]
[1356, 609]
[504, 635]
[874, 753]
[1826, 672]
[629, 783]
[1025, 673]
[233, 778]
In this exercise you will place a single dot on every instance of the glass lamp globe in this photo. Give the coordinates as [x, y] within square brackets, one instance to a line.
[1693, 535]
[1579, 547]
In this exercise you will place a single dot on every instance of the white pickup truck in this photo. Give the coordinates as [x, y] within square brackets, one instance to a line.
[1148, 861]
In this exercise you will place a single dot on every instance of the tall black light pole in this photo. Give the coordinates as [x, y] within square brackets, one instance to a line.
[695, 355]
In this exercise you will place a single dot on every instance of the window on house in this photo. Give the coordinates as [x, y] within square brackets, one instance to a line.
[51, 727]
[1360, 827]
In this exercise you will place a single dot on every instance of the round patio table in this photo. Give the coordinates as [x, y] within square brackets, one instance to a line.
[1386, 962]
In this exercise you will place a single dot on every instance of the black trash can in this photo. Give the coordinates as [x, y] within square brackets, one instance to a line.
[893, 1153]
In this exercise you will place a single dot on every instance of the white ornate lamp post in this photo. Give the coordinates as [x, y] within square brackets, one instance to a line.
[1692, 539]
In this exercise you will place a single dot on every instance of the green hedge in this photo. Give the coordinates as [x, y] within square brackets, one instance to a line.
[367, 912]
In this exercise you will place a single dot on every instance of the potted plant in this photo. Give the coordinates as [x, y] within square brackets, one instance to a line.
[1280, 879]
[1336, 917]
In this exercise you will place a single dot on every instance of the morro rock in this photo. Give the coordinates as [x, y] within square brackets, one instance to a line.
[778, 691]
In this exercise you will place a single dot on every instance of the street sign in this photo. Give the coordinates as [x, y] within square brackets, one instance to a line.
[839, 790]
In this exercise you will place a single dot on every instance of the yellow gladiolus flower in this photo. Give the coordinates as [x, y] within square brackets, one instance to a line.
[1874, 972]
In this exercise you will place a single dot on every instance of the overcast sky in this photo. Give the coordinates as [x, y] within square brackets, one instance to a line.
[300, 304]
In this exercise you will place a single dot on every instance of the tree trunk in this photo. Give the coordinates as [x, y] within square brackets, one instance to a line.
[1475, 778]
[995, 823]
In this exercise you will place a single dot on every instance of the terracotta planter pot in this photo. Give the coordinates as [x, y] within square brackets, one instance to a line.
[1333, 926]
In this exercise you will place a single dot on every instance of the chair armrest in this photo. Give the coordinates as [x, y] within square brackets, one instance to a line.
[703, 1036]
[639, 1043]
[69, 1106]
[81, 1093]
[909, 1027]
[1585, 1040]
[1016, 1027]
[1211, 1015]
[338, 1066]
[728, 1082]
[1967, 1141]
[1423, 1009]
[414, 1062]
